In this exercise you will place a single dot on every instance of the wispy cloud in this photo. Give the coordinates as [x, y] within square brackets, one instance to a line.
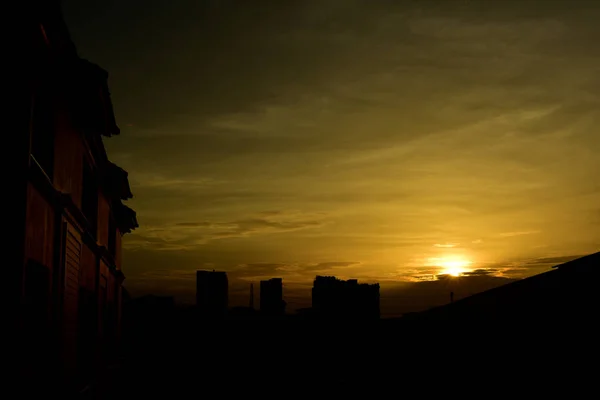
[445, 245]
[517, 233]
[154, 181]
[291, 270]
[481, 271]
[334, 264]
[552, 260]
[189, 235]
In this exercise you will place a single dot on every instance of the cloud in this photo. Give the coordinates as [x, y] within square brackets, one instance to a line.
[480, 272]
[249, 272]
[517, 233]
[422, 278]
[182, 235]
[262, 266]
[455, 30]
[552, 260]
[256, 269]
[137, 241]
[254, 226]
[156, 181]
[469, 274]
[258, 224]
[332, 264]
[195, 224]
[515, 272]
[417, 274]
[446, 245]
[294, 271]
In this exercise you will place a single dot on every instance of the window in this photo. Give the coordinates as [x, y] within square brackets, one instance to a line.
[72, 271]
[89, 201]
[42, 132]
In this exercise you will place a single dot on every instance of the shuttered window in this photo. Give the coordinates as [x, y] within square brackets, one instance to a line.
[72, 269]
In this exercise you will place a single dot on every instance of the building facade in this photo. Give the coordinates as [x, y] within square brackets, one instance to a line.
[336, 298]
[212, 293]
[66, 273]
[271, 297]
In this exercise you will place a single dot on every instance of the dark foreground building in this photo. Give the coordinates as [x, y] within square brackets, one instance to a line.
[271, 297]
[148, 313]
[567, 295]
[212, 293]
[335, 298]
[65, 273]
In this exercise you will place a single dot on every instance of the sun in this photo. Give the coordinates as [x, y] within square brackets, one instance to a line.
[453, 271]
[453, 266]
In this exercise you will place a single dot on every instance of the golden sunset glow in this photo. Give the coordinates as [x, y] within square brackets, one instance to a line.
[344, 138]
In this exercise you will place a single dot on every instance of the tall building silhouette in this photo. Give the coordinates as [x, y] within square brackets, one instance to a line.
[271, 297]
[212, 293]
[335, 298]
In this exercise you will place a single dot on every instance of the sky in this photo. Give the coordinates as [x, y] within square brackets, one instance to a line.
[388, 141]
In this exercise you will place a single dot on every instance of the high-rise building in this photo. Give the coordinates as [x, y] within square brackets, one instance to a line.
[271, 297]
[212, 293]
[333, 298]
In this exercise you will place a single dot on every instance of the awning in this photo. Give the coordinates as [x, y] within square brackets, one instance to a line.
[116, 183]
[125, 217]
[90, 98]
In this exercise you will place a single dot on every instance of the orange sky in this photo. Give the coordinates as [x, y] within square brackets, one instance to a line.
[371, 139]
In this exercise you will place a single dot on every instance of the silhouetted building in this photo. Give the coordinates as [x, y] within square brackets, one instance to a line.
[335, 298]
[212, 293]
[304, 313]
[154, 304]
[271, 297]
[65, 270]
[241, 313]
[564, 296]
[150, 309]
